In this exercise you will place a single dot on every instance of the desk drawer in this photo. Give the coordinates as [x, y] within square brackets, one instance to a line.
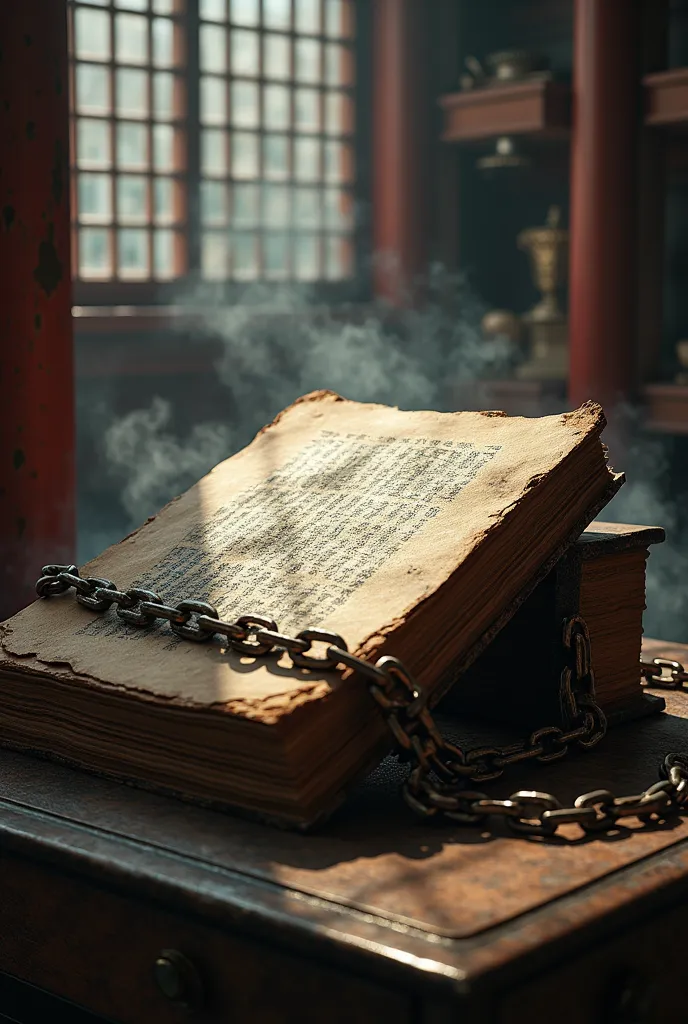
[99, 949]
[636, 978]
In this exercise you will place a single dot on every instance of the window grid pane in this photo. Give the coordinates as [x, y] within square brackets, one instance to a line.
[277, 144]
[275, 139]
[129, 140]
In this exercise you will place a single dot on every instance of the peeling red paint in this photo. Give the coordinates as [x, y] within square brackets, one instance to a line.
[57, 173]
[36, 368]
[48, 271]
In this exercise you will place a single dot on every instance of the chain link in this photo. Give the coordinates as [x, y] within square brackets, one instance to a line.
[663, 674]
[535, 813]
[440, 769]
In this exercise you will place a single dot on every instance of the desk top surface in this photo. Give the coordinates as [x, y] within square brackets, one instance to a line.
[449, 898]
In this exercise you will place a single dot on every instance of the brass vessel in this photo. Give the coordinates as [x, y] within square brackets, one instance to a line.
[502, 323]
[682, 355]
[514, 65]
[548, 248]
[506, 154]
[546, 323]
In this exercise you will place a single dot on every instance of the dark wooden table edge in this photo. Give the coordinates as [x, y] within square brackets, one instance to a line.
[218, 896]
[328, 932]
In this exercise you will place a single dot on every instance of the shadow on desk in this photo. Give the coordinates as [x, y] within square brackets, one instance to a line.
[374, 856]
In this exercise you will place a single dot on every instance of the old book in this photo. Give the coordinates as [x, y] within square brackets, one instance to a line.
[601, 578]
[416, 534]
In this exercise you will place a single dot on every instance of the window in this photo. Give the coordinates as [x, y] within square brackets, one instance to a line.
[129, 141]
[213, 139]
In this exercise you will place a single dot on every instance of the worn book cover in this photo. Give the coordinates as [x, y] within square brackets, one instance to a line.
[518, 678]
[416, 534]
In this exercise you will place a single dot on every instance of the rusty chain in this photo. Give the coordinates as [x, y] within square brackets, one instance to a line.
[664, 674]
[435, 787]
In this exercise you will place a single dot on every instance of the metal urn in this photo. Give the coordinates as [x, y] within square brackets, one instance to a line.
[546, 323]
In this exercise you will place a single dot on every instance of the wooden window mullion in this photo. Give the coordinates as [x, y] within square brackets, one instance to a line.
[260, 242]
[290, 183]
[150, 179]
[321, 136]
[361, 191]
[113, 233]
[192, 79]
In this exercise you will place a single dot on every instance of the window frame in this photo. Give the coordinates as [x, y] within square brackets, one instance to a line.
[150, 292]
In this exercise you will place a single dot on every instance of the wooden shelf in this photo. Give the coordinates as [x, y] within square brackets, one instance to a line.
[666, 98]
[666, 408]
[525, 108]
[514, 397]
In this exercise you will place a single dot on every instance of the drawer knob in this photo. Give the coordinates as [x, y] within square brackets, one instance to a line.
[178, 979]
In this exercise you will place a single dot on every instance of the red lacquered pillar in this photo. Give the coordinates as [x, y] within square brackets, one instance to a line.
[401, 120]
[606, 119]
[36, 368]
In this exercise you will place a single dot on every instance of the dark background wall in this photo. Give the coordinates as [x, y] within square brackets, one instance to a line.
[157, 406]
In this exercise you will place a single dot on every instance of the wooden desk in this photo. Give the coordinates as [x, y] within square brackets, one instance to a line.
[376, 918]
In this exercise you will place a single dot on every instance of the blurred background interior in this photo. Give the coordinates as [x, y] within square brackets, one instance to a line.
[429, 203]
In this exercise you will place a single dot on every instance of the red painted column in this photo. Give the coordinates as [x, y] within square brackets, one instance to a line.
[401, 120]
[606, 120]
[36, 375]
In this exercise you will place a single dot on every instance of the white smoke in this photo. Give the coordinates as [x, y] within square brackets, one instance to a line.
[277, 343]
[646, 500]
[153, 465]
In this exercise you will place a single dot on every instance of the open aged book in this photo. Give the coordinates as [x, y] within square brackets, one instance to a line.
[416, 534]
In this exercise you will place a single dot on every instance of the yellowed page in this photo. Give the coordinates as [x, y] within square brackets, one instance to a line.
[338, 515]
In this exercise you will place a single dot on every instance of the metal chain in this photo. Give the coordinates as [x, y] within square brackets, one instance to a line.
[441, 769]
[663, 674]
